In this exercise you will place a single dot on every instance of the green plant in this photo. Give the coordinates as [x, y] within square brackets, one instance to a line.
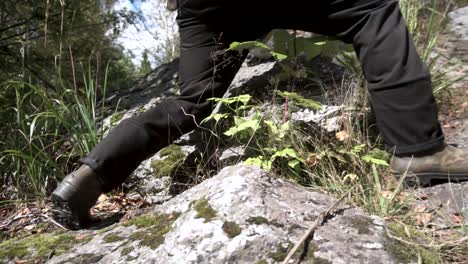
[50, 132]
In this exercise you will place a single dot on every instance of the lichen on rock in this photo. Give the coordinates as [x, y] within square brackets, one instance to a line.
[172, 157]
[153, 229]
[232, 229]
[113, 237]
[409, 253]
[38, 246]
[204, 210]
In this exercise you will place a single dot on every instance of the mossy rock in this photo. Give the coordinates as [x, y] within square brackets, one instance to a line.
[311, 258]
[153, 228]
[280, 253]
[126, 251]
[362, 224]
[39, 246]
[87, 258]
[408, 253]
[148, 220]
[116, 117]
[113, 237]
[173, 156]
[257, 220]
[232, 229]
[204, 210]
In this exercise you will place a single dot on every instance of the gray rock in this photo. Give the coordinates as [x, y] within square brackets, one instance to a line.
[458, 22]
[232, 155]
[242, 215]
[445, 201]
[328, 118]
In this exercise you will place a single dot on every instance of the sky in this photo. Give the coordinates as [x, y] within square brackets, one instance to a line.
[136, 38]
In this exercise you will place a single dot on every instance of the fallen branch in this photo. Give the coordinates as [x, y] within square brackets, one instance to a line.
[50, 219]
[314, 226]
[408, 242]
[431, 245]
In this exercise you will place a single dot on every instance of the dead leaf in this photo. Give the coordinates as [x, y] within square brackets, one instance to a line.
[403, 196]
[464, 106]
[420, 208]
[29, 227]
[342, 135]
[81, 236]
[423, 218]
[103, 198]
[387, 194]
[456, 219]
[312, 160]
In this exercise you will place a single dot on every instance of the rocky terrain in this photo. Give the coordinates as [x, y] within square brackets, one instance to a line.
[243, 214]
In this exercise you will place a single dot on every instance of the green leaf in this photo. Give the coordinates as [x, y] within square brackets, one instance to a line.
[300, 100]
[372, 160]
[243, 98]
[271, 126]
[294, 164]
[240, 46]
[284, 129]
[242, 125]
[285, 153]
[216, 117]
[358, 149]
[278, 56]
[260, 162]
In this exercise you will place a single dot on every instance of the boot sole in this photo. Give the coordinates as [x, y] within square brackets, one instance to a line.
[62, 213]
[425, 179]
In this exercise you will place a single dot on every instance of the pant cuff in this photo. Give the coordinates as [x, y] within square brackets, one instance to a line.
[421, 149]
[93, 164]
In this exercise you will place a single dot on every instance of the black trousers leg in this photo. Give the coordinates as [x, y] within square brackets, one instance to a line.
[205, 72]
[398, 81]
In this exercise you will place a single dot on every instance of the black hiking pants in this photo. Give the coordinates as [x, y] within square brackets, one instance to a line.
[398, 81]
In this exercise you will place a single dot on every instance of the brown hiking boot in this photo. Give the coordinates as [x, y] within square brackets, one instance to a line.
[74, 197]
[171, 5]
[448, 164]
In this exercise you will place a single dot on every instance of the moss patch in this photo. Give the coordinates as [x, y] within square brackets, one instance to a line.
[405, 253]
[83, 259]
[155, 229]
[102, 231]
[261, 262]
[173, 158]
[361, 224]
[148, 220]
[116, 117]
[126, 251]
[204, 210]
[110, 238]
[257, 220]
[232, 229]
[312, 258]
[38, 246]
[280, 253]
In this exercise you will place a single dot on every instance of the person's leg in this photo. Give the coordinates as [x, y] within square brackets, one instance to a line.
[398, 81]
[399, 85]
[205, 71]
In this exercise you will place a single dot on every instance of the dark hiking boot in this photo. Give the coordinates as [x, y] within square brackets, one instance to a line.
[74, 197]
[448, 164]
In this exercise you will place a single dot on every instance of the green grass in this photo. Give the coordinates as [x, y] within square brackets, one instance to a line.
[48, 132]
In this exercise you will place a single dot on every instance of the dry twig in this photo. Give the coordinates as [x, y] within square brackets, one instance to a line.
[314, 226]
